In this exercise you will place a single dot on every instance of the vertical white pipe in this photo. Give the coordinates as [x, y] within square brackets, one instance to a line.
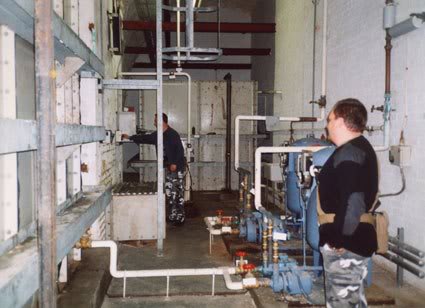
[168, 286]
[324, 47]
[160, 145]
[178, 34]
[213, 285]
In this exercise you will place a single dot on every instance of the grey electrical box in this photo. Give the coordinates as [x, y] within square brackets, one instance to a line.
[273, 172]
[399, 155]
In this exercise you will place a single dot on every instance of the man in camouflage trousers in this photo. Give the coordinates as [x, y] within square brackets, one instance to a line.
[348, 185]
[174, 191]
[175, 163]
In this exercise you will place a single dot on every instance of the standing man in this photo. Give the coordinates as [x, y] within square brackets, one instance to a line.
[348, 186]
[174, 161]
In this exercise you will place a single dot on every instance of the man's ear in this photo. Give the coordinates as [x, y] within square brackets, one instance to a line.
[340, 122]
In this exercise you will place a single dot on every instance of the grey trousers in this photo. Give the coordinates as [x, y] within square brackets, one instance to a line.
[345, 278]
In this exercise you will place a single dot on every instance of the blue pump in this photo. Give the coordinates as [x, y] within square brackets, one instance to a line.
[301, 199]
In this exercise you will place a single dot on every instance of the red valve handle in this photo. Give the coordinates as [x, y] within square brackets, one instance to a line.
[248, 267]
[240, 253]
[219, 212]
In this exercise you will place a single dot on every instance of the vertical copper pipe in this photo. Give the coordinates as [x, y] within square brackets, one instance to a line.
[264, 246]
[270, 238]
[45, 75]
[275, 252]
[388, 48]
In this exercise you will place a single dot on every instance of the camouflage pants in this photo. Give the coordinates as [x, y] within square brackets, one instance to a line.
[345, 277]
[174, 192]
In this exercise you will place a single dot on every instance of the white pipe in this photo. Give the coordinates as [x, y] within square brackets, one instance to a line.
[231, 285]
[189, 123]
[178, 34]
[262, 118]
[386, 144]
[324, 46]
[156, 273]
[261, 150]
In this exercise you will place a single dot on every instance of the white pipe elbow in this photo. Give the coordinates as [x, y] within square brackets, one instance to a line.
[231, 285]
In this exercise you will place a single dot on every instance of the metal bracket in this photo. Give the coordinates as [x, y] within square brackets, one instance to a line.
[71, 66]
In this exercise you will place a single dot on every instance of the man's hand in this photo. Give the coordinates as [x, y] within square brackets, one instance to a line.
[172, 167]
[124, 136]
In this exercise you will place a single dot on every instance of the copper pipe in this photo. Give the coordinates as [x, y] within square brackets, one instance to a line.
[307, 119]
[275, 252]
[248, 205]
[245, 182]
[228, 174]
[270, 238]
[241, 192]
[388, 48]
[265, 253]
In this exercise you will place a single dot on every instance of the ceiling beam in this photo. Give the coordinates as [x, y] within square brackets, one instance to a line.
[225, 27]
[226, 51]
[205, 66]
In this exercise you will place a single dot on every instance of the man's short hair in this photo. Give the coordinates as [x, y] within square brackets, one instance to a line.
[164, 118]
[353, 112]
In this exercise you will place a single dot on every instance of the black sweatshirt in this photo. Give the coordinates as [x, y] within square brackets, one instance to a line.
[173, 148]
[348, 184]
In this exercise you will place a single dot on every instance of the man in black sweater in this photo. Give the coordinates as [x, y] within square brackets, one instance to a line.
[174, 161]
[348, 186]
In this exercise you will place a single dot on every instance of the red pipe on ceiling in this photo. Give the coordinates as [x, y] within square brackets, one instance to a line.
[225, 27]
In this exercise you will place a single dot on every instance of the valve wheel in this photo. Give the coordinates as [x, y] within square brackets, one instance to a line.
[240, 253]
[248, 267]
[219, 212]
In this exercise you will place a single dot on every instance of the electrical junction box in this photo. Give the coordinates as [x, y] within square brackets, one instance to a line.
[108, 137]
[127, 123]
[273, 172]
[399, 155]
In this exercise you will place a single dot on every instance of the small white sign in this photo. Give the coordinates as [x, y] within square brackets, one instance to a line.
[280, 236]
[226, 229]
[249, 282]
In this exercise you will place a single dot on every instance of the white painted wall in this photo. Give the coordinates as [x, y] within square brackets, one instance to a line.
[356, 60]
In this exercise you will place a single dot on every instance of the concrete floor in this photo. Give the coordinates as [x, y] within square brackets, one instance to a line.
[187, 247]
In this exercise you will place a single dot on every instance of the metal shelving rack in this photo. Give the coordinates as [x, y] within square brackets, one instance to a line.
[18, 282]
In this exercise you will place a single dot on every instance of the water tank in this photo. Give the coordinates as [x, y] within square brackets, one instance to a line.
[319, 159]
[293, 202]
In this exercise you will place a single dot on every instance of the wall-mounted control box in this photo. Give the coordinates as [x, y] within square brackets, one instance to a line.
[399, 155]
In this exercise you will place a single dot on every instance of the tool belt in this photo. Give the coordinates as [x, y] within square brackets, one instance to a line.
[329, 218]
[324, 218]
[379, 220]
